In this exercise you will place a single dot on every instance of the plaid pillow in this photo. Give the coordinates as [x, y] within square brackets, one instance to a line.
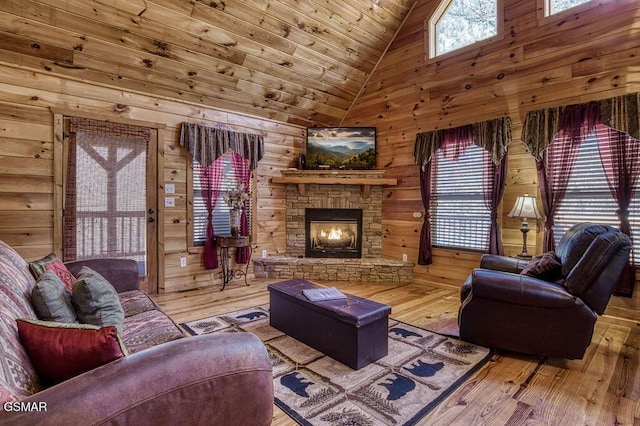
[53, 263]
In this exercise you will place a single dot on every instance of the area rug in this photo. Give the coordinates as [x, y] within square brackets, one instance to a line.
[421, 369]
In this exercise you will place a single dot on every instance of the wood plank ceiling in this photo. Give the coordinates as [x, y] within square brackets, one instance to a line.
[296, 61]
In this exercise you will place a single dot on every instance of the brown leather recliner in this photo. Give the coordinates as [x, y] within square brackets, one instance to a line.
[550, 315]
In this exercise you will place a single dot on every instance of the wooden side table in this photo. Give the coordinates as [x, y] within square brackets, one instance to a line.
[225, 243]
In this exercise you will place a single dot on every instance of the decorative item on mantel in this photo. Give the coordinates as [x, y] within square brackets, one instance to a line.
[235, 199]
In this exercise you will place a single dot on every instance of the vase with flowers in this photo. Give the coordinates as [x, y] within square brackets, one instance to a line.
[236, 199]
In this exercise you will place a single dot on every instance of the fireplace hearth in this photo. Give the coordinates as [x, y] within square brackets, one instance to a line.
[326, 194]
[333, 233]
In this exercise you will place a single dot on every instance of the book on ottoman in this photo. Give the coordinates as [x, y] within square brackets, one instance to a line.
[320, 294]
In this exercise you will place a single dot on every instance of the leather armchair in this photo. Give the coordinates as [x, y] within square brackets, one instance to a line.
[504, 309]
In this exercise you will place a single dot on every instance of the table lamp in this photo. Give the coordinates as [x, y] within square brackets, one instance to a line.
[525, 208]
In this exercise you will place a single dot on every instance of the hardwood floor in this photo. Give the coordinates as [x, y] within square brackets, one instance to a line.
[513, 389]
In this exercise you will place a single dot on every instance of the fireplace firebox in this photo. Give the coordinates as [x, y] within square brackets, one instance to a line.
[333, 233]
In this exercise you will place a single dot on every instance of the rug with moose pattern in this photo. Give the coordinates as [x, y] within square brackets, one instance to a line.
[421, 369]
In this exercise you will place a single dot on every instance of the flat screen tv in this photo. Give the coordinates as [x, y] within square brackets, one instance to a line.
[347, 148]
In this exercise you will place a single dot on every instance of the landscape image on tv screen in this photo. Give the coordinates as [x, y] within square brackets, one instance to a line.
[349, 148]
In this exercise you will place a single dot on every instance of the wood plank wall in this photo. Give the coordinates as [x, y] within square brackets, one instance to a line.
[588, 55]
[583, 56]
[27, 165]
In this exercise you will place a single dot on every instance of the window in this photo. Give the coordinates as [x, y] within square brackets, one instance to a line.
[460, 23]
[552, 7]
[221, 212]
[588, 198]
[459, 216]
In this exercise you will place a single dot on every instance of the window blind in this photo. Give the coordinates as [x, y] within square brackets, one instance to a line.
[459, 217]
[221, 212]
[588, 197]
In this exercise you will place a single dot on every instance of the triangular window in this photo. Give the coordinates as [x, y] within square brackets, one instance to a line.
[460, 23]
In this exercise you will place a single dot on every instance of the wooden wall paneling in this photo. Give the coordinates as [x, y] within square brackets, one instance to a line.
[14, 129]
[32, 230]
[288, 161]
[519, 14]
[310, 18]
[170, 61]
[26, 95]
[15, 219]
[26, 179]
[28, 237]
[534, 66]
[26, 148]
[304, 64]
[25, 45]
[31, 184]
[285, 152]
[17, 166]
[256, 16]
[404, 210]
[100, 100]
[167, 60]
[134, 7]
[175, 171]
[31, 114]
[544, 40]
[477, 69]
[298, 72]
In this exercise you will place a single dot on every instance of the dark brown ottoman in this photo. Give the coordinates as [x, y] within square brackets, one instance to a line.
[353, 331]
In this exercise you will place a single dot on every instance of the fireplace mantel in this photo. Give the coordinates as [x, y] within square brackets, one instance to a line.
[364, 178]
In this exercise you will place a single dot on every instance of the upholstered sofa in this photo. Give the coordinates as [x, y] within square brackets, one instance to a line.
[166, 377]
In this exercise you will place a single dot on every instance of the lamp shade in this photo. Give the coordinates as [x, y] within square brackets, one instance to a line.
[525, 207]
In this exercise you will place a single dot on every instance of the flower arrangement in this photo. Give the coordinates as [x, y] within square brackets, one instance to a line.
[236, 198]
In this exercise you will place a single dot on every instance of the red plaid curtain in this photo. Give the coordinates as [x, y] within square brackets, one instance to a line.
[210, 181]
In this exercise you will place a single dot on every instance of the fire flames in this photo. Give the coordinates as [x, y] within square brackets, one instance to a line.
[334, 234]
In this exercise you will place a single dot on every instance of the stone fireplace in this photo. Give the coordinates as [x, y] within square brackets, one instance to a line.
[333, 233]
[334, 196]
[334, 191]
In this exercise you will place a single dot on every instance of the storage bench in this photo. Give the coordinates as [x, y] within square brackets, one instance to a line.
[353, 331]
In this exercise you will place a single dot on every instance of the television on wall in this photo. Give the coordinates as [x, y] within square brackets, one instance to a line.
[346, 148]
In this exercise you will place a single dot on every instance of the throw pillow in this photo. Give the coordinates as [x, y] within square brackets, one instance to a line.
[96, 300]
[51, 262]
[51, 300]
[61, 351]
[545, 266]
